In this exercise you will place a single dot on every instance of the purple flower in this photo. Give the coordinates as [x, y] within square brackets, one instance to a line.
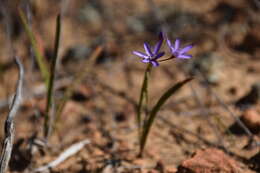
[178, 52]
[151, 56]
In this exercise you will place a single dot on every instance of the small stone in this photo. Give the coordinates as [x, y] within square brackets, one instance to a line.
[145, 163]
[171, 169]
[209, 160]
[251, 118]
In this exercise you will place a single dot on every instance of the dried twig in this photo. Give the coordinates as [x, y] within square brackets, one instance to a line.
[63, 156]
[9, 123]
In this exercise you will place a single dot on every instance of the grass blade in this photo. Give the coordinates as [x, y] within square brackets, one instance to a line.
[147, 126]
[48, 123]
[39, 58]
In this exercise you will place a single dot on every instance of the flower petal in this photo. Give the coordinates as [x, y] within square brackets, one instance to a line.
[170, 44]
[161, 36]
[159, 43]
[140, 54]
[175, 52]
[177, 44]
[155, 63]
[184, 56]
[148, 49]
[157, 46]
[146, 60]
[159, 55]
[185, 49]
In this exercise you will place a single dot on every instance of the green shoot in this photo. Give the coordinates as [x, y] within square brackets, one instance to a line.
[48, 123]
[39, 57]
[147, 125]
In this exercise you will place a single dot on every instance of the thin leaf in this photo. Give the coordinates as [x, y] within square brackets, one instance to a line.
[48, 124]
[143, 95]
[39, 58]
[156, 108]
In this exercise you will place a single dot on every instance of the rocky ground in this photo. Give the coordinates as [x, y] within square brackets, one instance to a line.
[197, 131]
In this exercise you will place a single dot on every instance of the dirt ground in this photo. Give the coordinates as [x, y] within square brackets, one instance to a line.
[201, 116]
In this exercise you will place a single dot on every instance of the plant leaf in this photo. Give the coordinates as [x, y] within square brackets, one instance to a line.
[147, 126]
[48, 124]
[39, 58]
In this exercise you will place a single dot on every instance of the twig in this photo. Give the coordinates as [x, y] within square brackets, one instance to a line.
[9, 123]
[63, 156]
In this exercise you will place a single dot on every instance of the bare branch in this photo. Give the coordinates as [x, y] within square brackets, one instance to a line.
[9, 123]
[63, 156]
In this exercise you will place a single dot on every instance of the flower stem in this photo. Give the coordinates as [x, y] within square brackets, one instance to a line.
[143, 98]
[171, 57]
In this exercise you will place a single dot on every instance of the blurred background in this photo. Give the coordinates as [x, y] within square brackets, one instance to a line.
[225, 67]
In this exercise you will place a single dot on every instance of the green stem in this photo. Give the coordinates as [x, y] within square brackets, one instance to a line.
[171, 57]
[143, 95]
[147, 126]
[48, 124]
